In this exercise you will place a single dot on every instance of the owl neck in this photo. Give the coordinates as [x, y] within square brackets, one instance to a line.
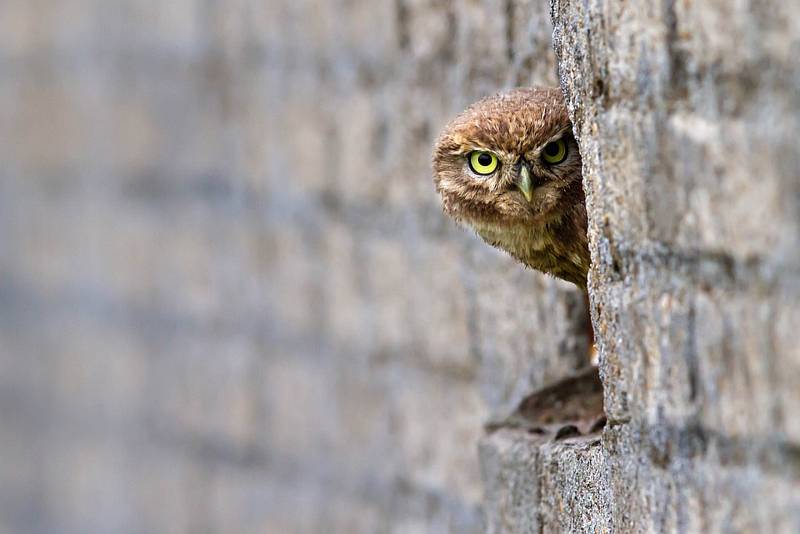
[558, 247]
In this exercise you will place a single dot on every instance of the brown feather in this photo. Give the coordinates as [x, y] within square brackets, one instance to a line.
[549, 232]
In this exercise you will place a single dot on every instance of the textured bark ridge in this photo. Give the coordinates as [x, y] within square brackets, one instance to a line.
[687, 116]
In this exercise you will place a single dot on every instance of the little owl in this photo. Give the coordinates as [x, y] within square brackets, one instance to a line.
[509, 167]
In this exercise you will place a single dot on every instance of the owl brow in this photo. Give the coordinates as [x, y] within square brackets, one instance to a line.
[461, 146]
[463, 150]
[453, 148]
[560, 134]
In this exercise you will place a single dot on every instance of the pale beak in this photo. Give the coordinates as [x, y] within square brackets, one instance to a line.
[523, 182]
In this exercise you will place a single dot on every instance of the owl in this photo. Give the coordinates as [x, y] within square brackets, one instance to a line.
[509, 168]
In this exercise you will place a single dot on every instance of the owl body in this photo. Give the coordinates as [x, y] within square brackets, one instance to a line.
[509, 167]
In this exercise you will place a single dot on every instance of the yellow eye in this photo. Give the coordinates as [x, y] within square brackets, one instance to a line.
[555, 152]
[482, 163]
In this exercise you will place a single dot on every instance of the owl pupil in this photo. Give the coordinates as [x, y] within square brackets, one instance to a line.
[551, 149]
[485, 159]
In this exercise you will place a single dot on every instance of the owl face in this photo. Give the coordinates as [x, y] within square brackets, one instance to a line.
[509, 160]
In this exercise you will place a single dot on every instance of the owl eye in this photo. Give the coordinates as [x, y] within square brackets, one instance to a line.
[482, 163]
[555, 152]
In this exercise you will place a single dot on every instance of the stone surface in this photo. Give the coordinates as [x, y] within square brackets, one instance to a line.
[229, 300]
[686, 114]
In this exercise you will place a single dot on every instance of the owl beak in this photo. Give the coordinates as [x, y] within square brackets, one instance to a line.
[524, 183]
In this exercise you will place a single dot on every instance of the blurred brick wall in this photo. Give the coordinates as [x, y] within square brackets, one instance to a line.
[228, 298]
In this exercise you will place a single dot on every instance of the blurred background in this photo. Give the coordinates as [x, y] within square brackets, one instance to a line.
[229, 301]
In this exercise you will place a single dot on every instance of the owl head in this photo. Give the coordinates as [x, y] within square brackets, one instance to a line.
[509, 161]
